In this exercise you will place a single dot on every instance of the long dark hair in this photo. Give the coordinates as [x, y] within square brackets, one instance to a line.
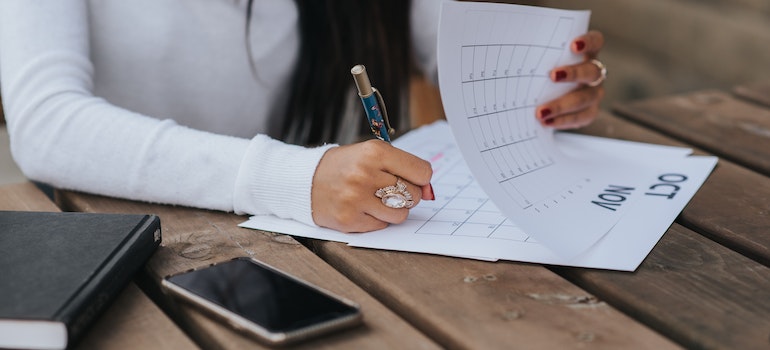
[335, 36]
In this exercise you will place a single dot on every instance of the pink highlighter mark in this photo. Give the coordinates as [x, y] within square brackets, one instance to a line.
[437, 157]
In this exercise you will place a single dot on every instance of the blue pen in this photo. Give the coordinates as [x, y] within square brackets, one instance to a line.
[376, 113]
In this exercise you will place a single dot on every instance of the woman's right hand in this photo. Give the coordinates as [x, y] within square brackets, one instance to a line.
[344, 185]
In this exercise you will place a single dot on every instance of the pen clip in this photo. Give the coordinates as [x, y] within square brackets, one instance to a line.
[384, 109]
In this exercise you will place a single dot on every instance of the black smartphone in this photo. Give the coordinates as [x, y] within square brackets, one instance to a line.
[262, 301]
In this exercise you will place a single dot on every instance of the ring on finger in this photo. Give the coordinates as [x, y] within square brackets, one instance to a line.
[395, 196]
[602, 73]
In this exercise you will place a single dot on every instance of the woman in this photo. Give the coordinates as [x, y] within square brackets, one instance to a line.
[160, 101]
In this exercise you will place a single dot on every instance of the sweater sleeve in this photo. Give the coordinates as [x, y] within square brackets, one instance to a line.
[63, 135]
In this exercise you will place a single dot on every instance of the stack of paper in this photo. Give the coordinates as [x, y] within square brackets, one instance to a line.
[464, 222]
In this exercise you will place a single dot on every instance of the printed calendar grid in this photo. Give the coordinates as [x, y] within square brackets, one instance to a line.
[462, 207]
[501, 84]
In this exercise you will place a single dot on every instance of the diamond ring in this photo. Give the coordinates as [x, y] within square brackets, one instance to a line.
[395, 196]
[602, 73]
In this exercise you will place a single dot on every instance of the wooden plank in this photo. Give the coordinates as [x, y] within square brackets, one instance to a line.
[473, 304]
[731, 207]
[194, 238]
[24, 197]
[714, 121]
[694, 290]
[133, 321]
[756, 92]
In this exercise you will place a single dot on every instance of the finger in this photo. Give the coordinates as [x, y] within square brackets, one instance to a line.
[346, 213]
[588, 44]
[569, 103]
[427, 193]
[584, 72]
[575, 120]
[401, 163]
[367, 212]
[360, 223]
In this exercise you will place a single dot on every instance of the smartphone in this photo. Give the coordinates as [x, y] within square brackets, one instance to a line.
[262, 301]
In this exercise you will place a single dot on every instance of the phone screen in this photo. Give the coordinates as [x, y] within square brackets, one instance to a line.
[266, 297]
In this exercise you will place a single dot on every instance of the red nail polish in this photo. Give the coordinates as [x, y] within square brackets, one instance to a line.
[549, 122]
[560, 75]
[580, 45]
[544, 113]
[432, 195]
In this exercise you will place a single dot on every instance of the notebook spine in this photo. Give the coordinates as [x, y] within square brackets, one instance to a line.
[111, 279]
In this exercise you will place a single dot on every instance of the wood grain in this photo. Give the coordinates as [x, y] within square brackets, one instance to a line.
[467, 304]
[133, 321]
[694, 290]
[756, 92]
[25, 197]
[194, 238]
[712, 120]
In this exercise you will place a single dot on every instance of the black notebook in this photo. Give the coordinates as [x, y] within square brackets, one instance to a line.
[60, 270]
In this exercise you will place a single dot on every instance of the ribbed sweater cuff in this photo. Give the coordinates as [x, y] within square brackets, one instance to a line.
[277, 178]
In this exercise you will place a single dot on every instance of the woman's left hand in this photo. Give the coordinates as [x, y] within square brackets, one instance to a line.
[580, 106]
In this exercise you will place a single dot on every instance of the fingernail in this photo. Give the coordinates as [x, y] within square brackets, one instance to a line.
[432, 196]
[580, 45]
[560, 75]
[548, 122]
[544, 113]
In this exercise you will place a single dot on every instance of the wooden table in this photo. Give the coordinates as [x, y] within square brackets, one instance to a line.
[705, 285]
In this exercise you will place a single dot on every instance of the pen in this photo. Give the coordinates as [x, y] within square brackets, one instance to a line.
[376, 113]
[372, 101]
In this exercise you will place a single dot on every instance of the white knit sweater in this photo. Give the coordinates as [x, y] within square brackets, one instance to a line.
[153, 100]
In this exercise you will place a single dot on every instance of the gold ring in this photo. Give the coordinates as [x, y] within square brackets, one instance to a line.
[395, 197]
[602, 73]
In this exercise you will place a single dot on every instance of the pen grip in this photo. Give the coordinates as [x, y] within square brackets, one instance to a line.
[374, 116]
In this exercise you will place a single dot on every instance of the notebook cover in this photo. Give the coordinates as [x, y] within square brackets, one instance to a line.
[68, 267]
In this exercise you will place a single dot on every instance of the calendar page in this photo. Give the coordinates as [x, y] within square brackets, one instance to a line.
[494, 63]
